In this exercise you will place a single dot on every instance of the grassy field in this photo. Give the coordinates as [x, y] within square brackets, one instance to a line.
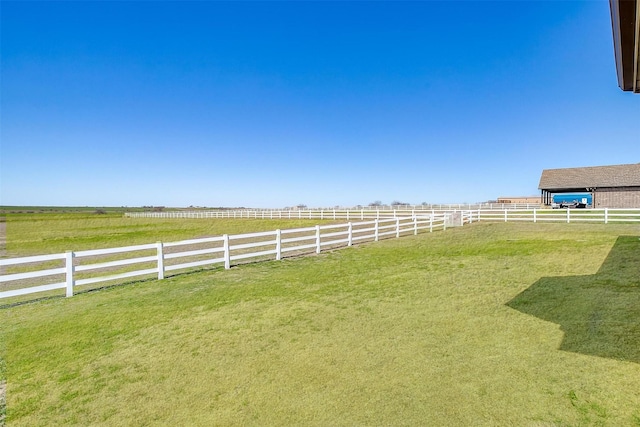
[45, 233]
[490, 324]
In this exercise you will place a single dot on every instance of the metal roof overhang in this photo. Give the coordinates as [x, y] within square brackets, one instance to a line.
[625, 22]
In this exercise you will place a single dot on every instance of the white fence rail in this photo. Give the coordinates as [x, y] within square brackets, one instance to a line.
[334, 214]
[604, 216]
[27, 275]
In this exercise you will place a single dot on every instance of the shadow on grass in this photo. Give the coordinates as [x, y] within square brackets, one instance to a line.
[600, 313]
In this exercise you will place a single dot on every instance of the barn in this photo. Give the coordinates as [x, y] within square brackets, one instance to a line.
[616, 186]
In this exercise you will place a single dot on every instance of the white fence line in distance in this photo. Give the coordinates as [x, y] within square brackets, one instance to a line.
[334, 214]
[604, 216]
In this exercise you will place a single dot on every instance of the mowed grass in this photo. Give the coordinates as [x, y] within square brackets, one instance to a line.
[490, 324]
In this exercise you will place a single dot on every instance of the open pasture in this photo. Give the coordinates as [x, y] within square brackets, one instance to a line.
[489, 324]
[44, 233]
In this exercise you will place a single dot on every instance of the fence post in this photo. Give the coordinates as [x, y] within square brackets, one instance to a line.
[350, 235]
[317, 239]
[535, 219]
[397, 227]
[430, 223]
[160, 251]
[70, 270]
[505, 215]
[606, 215]
[278, 245]
[227, 252]
[376, 232]
[568, 215]
[361, 214]
[415, 225]
[334, 214]
[347, 214]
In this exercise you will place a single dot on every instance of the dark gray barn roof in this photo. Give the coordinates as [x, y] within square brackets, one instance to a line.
[590, 177]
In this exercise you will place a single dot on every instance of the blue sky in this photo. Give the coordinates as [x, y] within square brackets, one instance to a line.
[273, 104]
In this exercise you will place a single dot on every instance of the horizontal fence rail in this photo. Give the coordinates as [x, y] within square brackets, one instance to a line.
[27, 275]
[333, 214]
[604, 216]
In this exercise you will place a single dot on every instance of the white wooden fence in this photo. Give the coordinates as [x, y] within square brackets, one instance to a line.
[41, 273]
[469, 215]
[335, 214]
[557, 215]
[27, 275]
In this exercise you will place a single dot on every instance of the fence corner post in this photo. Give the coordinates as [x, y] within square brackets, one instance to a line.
[376, 230]
[70, 269]
[160, 251]
[350, 234]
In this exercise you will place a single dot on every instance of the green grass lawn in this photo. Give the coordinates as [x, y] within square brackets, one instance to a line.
[490, 324]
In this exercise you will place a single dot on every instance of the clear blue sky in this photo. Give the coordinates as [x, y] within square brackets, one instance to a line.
[273, 104]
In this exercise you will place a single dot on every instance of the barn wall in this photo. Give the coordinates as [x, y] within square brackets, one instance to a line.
[620, 197]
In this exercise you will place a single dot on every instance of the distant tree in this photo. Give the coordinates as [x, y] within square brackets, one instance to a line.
[301, 206]
[397, 203]
[376, 203]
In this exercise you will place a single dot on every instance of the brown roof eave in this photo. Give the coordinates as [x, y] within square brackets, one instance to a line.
[626, 43]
